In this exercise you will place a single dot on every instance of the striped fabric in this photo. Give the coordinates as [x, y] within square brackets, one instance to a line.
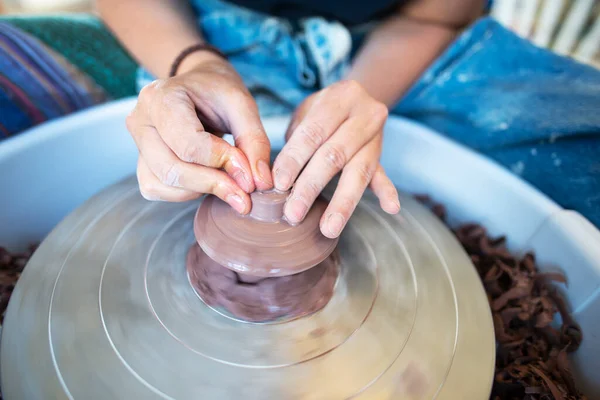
[88, 45]
[36, 84]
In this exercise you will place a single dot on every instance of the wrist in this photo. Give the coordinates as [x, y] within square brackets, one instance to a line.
[198, 59]
[193, 56]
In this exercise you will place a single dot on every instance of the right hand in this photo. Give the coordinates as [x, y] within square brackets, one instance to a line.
[180, 157]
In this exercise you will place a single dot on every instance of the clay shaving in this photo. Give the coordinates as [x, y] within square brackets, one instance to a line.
[531, 355]
[11, 266]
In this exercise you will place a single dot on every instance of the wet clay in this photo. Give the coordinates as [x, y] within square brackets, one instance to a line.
[263, 299]
[262, 243]
[258, 267]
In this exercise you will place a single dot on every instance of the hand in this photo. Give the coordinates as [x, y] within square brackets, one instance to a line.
[339, 128]
[180, 159]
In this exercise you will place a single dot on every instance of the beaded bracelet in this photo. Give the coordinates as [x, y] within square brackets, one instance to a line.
[192, 49]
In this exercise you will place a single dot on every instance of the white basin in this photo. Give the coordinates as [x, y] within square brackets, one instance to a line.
[52, 169]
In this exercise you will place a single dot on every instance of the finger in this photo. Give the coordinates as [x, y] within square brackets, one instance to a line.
[385, 191]
[153, 190]
[250, 137]
[329, 110]
[327, 161]
[144, 101]
[174, 115]
[298, 116]
[171, 171]
[355, 178]
[322, 119]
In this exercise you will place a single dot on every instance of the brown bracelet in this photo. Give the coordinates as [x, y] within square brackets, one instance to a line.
[192, 49]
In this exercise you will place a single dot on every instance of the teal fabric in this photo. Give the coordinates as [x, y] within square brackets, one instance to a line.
[35, 86]
[88, 44]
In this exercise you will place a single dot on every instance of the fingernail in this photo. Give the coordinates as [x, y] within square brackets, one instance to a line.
[236, 202]
[295, 210]
[335, 224]
[397, 205]
[283, 179]
[243, 180]
[393, 206]
[264, 172]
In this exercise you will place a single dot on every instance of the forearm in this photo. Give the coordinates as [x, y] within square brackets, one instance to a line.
[154, 31]
[395, 55]
[399, 50]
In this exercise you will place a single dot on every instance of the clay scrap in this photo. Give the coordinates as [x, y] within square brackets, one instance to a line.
[11, 266]
[531, 356]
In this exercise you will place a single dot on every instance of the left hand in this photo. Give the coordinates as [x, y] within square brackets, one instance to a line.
[339, 128]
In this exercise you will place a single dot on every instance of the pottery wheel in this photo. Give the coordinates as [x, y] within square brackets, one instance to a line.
[105, 310]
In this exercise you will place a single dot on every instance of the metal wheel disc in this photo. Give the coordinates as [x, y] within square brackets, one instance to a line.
[105, 310]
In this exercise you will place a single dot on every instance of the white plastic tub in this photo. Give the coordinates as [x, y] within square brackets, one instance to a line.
[50, 170]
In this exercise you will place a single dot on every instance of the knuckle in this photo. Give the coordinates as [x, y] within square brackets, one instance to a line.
[262, 141]
[346, 206]
[255, 137]
[313, 134]
[365, 173]
[146, 91]
[171, 94]
[232, 153]
[243, 141]
[169, 175]
[187, 152]
[240, 98]
[156, 84]
[291, 155]
[229, 92]
[219, 189]
[391, 187]
[130, 123]
[311, 189]
[335, 157]
[350, 86]
[380, 112]
[226, 156]
[391, 192]
[376, 144]
[151, 88]
[189, 149]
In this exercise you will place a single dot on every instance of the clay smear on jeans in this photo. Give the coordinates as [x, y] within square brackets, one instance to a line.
[531, 355]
